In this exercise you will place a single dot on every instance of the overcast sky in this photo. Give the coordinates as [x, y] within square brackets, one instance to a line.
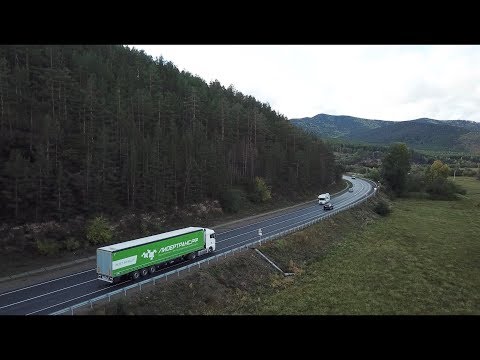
[386, 82]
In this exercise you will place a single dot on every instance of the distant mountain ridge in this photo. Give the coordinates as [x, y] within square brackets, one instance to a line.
[422, 133]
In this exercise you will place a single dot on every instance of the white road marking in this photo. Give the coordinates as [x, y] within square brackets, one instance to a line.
[265, 226]
[258, 222]
[275, 232]
[45, 282]
[272, 218]
[52, 292]
[75, 298]
[315, 213]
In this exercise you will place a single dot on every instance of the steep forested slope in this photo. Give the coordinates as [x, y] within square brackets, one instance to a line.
[87, 129]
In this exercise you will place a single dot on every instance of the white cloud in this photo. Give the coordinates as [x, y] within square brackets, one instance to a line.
[388, 82]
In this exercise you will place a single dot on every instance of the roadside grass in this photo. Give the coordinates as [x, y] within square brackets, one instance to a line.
[239, 284]
[424, 258]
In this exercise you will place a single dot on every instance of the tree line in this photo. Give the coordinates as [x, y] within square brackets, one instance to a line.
[400, 179]
[105, 128]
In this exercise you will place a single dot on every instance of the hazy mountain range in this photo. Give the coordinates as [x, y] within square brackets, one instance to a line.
[423, 133]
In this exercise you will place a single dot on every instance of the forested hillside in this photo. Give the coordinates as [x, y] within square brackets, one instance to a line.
[417, 135]
[87, 129]
[422, 134]
[337, 126]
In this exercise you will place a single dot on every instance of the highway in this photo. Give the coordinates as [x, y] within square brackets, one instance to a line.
[50, 296]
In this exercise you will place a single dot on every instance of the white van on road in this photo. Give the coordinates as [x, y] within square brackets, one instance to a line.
[323, 198]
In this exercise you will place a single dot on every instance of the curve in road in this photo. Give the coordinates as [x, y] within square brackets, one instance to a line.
[50, 296]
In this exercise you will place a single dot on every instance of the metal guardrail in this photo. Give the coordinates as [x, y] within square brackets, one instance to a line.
[70, 310]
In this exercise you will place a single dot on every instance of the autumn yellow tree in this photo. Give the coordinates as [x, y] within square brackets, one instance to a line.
[438, 171]
[438, 186]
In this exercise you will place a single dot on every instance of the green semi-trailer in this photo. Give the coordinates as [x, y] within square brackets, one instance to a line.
[143, 256]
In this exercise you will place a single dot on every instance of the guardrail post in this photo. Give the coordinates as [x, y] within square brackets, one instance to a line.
[91, 304]
[208, 261]
[125, 291]
[140, 286]
[166, 277]
[109, 297]
[178, 273]
[71, 308]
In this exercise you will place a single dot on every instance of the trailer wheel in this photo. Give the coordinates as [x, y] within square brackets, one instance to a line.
[135, 275]
[144, 272]
[152, 269]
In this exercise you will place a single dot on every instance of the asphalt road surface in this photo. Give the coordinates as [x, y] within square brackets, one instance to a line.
[53, 295]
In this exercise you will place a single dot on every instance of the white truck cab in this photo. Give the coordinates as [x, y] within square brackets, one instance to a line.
[209, 240]
[323, 198]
